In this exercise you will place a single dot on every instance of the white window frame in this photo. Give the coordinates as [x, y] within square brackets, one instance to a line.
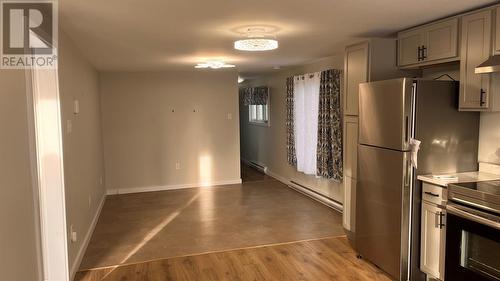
[265, 120]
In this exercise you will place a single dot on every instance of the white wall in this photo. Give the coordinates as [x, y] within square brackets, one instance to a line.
[153, 120]
[267, 145]
[19, 254]
[83, 150]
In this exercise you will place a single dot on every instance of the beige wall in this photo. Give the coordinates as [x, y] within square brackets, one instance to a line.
[153, 120]
[267, 145]
[489, 132]
[83, 152]
[18, 239]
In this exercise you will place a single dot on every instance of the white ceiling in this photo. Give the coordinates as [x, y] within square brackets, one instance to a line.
[131, 35]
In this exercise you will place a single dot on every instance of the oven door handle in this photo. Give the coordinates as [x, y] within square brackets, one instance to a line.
[472, 217]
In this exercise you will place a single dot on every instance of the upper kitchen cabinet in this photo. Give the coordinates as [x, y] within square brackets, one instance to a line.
[371, 60]
[475, 49]
[429, 44]
[409, 47]
[355, 71]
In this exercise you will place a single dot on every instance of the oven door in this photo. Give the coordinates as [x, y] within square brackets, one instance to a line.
[472, 245]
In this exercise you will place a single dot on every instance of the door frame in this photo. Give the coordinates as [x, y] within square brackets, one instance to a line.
[46, 152]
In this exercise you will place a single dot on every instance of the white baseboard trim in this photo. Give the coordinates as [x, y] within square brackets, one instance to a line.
[322, 199]
[128, 190]
[86, 240]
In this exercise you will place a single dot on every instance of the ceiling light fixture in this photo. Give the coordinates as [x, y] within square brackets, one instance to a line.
[257, 40]
[214, 64]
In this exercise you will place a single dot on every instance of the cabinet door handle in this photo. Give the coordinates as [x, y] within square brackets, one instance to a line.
[419, 53]
[441, 224]
[424, 52]
[438, 220]
[431, 194]
[481, 101]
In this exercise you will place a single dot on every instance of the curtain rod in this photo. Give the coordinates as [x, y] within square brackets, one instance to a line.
[314, 73]
[311, 74]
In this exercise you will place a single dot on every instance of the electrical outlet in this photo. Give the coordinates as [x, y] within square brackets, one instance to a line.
[229, 116]
[69, 126]
[72, 234]
[101, 180]
[178, 166]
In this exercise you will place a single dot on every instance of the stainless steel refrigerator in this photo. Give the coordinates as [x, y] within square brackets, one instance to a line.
[388, 196]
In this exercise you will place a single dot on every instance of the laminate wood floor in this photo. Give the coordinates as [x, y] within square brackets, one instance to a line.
[156, 225]
[318, 260]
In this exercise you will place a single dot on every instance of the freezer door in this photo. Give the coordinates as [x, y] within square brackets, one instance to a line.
[385, 117]
[383, 199]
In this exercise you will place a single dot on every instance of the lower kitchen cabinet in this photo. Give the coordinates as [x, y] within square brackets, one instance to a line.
[349, 213]
[350, 146]
[350, 170]
[432, 240]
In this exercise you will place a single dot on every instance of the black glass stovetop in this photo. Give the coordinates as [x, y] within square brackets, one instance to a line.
[488, 187]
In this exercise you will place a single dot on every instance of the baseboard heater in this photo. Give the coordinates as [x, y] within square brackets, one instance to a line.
[317, 196]
[258, 166]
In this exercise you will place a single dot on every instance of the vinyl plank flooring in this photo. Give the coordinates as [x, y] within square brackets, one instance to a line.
[322, 259]
[140, 227]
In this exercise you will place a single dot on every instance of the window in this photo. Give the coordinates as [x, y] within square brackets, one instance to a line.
[258, 113]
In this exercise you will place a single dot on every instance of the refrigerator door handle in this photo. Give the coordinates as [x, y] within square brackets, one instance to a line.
[407, 129]
[408, 174]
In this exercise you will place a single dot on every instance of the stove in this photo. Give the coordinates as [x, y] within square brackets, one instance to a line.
[473, 231]
[483, 195]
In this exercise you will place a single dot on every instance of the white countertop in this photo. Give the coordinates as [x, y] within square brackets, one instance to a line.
[459, 177]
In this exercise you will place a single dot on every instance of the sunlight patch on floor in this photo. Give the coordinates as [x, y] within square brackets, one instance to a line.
[151, 234]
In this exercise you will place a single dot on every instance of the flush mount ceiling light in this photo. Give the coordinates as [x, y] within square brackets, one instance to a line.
[257, 40]
[214, 64]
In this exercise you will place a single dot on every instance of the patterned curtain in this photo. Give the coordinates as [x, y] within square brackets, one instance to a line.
[260, 95]
[329, 152]
[290, 136]
[254, 96]
[245, 96]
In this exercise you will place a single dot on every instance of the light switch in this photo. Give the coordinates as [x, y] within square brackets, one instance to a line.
[229, 116]
[76, 106]
[72, 234]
